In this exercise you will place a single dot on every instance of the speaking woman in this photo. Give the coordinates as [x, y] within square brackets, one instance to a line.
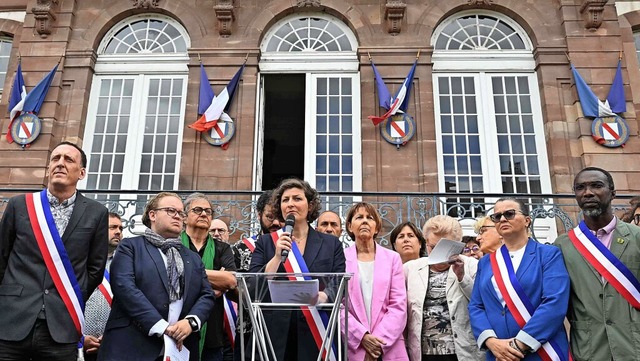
[521, 293]
[291, 331]
[377, 295]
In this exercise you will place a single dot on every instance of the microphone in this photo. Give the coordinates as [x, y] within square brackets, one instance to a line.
[288, 228]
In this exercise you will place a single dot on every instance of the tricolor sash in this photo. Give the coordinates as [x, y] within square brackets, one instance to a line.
[230, 319]
[606, 263]
[517, 300]
[316, 319]
[250, 243]
[105, 287]
[55, 256]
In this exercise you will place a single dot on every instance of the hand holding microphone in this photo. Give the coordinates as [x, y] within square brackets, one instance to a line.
[289, 223]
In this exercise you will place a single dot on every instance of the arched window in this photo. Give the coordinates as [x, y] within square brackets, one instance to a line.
[5, 54]
[137, 104]
[310, 64]
[478, 32]
[309, 34]
[146, 36]
[488, 112]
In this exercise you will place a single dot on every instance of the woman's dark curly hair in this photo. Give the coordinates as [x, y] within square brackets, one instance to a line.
[313, 198]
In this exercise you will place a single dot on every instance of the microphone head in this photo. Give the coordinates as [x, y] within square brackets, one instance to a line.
[290, 221]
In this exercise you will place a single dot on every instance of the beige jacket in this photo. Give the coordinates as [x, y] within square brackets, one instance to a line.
[458, 294]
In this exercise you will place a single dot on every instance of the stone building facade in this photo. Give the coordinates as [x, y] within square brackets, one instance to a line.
[493, 97]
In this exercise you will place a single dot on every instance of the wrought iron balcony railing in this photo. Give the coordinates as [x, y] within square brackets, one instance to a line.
[552, 214]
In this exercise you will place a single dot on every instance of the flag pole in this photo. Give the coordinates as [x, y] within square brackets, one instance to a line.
[199, 58]
[246, 57]
[418, 55]
[369, 55]
[620, 55]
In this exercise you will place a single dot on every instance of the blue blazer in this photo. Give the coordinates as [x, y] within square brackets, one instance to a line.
[141, 299]
[323, 254]
[545, 280]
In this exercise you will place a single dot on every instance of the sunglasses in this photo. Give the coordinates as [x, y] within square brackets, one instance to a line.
[473, 249]
[508, 215]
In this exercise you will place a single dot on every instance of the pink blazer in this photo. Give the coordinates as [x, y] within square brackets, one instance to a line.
[388, 306]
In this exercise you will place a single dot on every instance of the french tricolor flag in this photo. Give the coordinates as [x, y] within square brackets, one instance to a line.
[219, 105]
[592, 106]
[16, 99]
[400, 102]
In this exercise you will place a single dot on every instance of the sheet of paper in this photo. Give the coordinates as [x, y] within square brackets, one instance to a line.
[444, 250]
[171, 352]
[286, 291]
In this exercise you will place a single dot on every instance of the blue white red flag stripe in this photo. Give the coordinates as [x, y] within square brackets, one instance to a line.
[55, 256]
[384, 97]
[216, 111]
[401, 101]
[606, 263]
[230, 319]
[616, 99]
[105, 287]
[16, 100]
[206, 94]
[35, 98]
[594, 107]
[517, 300]
[317, 320]
[250, 243]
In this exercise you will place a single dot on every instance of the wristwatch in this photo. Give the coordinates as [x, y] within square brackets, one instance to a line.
[193, 324]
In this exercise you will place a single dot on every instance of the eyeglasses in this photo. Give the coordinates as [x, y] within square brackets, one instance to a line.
[473, 249]
[483, 229]
[270, 217]
[636, 218]
[171, 212]
[199, 210]
[508, 215]
[217, 230]
[115, 226]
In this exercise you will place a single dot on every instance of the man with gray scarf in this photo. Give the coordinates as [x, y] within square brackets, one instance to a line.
[159, 286]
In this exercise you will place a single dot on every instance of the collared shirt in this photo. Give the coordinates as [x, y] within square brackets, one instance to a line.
[605, 234]
[61, 210]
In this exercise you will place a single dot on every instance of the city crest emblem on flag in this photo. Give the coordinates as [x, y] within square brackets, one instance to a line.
[398, 129]
[610, 131]
[26, 128]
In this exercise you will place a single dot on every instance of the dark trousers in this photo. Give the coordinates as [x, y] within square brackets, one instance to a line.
[38, 345]
[211, 354]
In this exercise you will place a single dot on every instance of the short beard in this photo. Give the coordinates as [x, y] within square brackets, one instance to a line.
[593, 212]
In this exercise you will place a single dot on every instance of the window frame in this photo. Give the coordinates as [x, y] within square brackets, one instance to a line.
[142, 68]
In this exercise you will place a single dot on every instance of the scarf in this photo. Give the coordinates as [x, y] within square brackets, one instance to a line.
[207, 259]
[175, 267]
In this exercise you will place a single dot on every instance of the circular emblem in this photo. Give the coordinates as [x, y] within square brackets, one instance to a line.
[220, 134]
[398, 129]
[26, 128]
[610, 131]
